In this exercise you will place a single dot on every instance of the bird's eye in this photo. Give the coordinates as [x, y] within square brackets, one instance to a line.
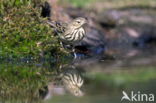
[78, 21]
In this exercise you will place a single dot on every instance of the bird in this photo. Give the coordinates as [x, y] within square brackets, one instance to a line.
[69, 33]
[68, 79]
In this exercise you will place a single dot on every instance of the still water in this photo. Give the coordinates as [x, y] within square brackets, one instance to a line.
[87, 80]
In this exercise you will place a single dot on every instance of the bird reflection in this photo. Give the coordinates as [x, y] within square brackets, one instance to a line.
[72, 80]
[68, 80]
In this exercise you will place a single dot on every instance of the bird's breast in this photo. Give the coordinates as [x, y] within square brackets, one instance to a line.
[74, 35]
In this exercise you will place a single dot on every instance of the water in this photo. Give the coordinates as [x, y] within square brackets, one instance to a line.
[88, 80]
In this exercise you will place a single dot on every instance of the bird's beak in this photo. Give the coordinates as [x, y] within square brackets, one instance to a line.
[85, 21]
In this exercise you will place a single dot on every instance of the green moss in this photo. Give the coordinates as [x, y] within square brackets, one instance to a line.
[24, 33]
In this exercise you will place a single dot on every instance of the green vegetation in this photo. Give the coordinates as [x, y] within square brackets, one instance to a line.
[23, 32]
[5, 5]
[24, 35]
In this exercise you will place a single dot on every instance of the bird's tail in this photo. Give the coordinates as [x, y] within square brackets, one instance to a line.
[58, 26]
[52, 23]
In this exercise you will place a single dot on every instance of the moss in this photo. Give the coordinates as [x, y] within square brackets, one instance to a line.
[24, 34]
[23, 30]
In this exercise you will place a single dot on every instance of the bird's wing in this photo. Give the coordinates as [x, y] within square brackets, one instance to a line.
[59, 27]
[51, 23]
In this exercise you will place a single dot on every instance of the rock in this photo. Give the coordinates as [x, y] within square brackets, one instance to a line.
[108, 19]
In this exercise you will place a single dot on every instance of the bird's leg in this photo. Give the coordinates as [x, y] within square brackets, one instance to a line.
[72, 47]
[73, 50]
[62, 45]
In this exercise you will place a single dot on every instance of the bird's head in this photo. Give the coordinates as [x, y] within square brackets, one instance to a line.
[78, 22]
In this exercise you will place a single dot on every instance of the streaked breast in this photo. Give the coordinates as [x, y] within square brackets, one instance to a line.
[75, 35]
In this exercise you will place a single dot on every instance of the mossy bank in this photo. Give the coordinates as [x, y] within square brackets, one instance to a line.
[24, 35]
[23, 32]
